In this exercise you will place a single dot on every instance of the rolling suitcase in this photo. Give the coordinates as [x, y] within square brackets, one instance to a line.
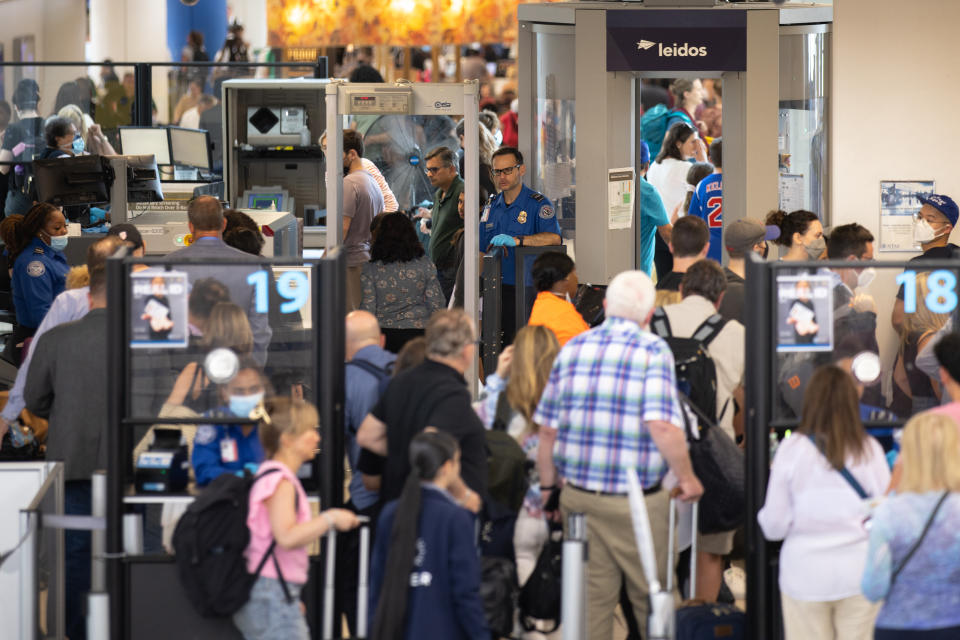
[698, 620]
[329, 632]
[693, 620]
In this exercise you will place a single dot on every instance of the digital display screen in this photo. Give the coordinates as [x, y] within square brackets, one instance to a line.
[265, 201]
[364, 100]
[190, 148]
[145, 141]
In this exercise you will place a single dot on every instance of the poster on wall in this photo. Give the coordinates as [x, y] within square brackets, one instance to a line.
[804, 312]
[158, 310]
[620, 198]
[899, 202]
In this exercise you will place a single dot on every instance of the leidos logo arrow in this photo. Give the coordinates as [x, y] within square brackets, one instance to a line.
[646, 44]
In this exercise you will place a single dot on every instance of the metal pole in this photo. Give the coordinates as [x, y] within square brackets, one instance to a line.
[98, 616]
[98, 509]
[132, 534]
[329, 588]
[573, 599]
[143, 95]
[29, 589]
[334, 169]
[363, 582]
[693, 551]
[471, 215]
[759, 372]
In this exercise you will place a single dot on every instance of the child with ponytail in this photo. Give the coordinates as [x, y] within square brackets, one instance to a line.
[425, 570]
[279, 512]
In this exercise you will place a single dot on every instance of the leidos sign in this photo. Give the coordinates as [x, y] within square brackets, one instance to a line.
[690, 40]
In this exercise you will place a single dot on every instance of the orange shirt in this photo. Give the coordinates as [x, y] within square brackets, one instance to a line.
[558, 315]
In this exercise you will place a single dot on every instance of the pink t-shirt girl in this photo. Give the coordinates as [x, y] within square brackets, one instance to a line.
[293, 562]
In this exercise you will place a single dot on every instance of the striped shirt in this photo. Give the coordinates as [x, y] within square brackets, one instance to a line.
[389, 200]
[605, 386]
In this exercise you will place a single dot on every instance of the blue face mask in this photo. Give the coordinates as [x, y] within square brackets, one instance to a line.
[78, 144]
[59, 242]
[243, 406]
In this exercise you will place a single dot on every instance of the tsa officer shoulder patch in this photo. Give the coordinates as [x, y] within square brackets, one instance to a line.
[206, 434]
[35, 269]
[546, 212]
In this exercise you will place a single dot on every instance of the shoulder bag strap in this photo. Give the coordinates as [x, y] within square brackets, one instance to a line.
[660, 323]
[845, 473]
[916, 545]
[710, 329]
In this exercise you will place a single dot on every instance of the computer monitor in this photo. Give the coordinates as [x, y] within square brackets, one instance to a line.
[277, 198]
[190, 148]
[78, 180]
[143, 141]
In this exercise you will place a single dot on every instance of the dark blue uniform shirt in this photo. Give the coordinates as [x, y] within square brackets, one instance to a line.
[39, 276]
[222, 448]
[530, 213]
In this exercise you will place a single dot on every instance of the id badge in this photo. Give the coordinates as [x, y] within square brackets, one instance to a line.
[228, 450]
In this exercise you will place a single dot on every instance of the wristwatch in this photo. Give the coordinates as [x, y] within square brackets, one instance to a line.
[520, 240]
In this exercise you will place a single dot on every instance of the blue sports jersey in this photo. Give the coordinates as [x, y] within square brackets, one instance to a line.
[530, 213]
[707, 203]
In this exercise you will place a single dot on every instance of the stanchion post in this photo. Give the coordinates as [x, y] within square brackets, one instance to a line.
[30, 532]
[329, 586]
[98, 509]
[573, 599]
[363, 582]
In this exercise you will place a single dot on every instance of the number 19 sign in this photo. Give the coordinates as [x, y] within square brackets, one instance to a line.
[293, 286]
[941, 294]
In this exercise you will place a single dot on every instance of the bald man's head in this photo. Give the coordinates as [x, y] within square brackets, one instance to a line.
[363, 330]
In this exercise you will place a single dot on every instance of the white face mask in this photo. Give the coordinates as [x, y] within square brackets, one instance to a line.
[923, 232]
[865, 277]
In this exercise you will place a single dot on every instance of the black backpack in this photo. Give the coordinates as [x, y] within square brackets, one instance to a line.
[209, 542]
[382, 374]
[498, 593]
[696, 372]
[540, 595]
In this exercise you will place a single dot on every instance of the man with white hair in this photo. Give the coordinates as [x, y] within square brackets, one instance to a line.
[611, 405]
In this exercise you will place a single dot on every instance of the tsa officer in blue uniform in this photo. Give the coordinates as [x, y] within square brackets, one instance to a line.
[40, 269]
[518, 216]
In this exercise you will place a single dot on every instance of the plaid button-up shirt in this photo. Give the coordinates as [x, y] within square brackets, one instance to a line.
[605, 386]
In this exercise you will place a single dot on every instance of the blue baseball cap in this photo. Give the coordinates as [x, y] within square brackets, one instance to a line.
[644, 153]
[943, 204]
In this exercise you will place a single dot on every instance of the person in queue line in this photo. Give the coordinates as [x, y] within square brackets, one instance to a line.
[703, 288]
[644, 411]
[707, 201]
[445, 220]
[21, 142]
[801, 233]
[668, 174]
[555, 278]
[36, 244]
[70, 305]
[914, 390]
[487, 147]
[689, 243]
[206, 223]
[226, 327]
[913, 558]
[231, 448]
[390, 203]
[66, 373]
[655, 225]
[688, 96]
[433, 393]
[399, 283]
[425, 566]
[815, 504]
[280, 511]
[362, 202]
[931, 230]
[742, 237]
[947, 351]
[517, 216]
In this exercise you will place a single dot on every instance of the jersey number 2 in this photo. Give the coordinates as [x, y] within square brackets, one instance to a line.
[715, 212]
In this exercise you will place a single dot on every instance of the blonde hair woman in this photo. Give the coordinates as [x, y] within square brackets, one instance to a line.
[93, 139]
[913, 390]
[913, 562]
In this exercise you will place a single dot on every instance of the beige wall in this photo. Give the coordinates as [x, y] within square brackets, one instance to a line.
[895, 89]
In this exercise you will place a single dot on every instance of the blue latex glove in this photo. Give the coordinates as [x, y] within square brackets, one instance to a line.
[97, 215]
[251, 467]
[503, 240]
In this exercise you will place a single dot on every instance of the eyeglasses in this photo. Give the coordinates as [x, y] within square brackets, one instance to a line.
[432, 170]
[506, 171]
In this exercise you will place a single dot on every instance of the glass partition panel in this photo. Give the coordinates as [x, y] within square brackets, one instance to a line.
[803, 132]
[553, 166]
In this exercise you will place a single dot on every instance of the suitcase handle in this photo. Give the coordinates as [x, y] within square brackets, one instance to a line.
[363, 583]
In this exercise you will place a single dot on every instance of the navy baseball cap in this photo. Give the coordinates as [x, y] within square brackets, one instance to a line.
[644, 153]
[943, 204]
